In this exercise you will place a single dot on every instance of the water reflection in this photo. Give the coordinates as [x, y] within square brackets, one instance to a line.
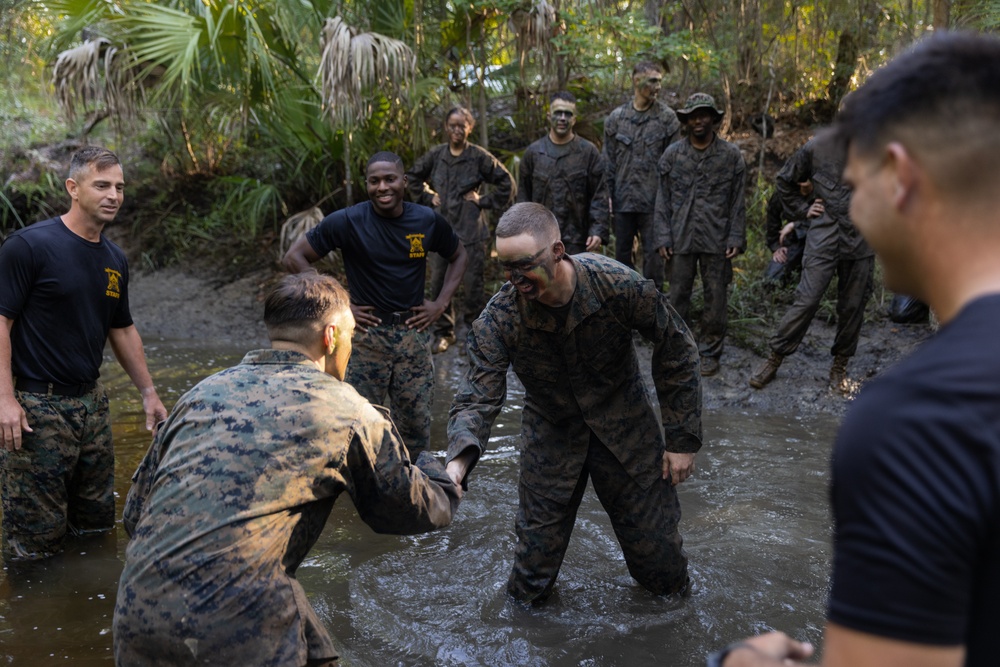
[755, 524]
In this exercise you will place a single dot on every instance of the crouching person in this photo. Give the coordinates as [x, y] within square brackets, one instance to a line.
[238, 484]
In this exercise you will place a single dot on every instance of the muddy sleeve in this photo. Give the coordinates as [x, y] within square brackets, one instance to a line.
[797, 169]
[416, 179]
[494, 173]
[393, 495]
[482, 392]
[737, 205]
[675, 367]
[600, 213]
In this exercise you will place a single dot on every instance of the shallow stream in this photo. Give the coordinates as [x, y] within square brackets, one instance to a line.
[755, 523]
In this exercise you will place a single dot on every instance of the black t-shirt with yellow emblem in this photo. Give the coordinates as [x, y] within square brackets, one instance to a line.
[385, 258]
[64, 294]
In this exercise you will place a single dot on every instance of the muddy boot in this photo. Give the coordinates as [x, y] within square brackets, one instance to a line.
[838, 374]
[442, 344]
[766, 372]
[709, 366]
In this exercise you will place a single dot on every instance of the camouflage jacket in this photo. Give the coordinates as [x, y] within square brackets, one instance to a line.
[233, 493]
[567, 179]
[451, 178]
[831, 235]
[582, 377]
[633, 143]
[700, 203]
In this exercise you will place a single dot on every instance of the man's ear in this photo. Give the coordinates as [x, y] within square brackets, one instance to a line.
[71, 188]
[330, 338]
[904, 173]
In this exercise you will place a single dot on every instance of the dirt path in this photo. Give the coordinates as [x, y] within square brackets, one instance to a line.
[173, 303]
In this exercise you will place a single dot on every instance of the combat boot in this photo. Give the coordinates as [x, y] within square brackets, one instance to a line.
[838, 373]
[766, 372]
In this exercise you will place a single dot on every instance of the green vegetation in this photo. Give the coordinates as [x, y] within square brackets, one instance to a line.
[234, 114]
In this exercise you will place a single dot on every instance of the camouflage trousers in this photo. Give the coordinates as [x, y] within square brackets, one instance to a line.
[716, 274]
[62, 478]
[392, 366]
[854, 287]
[645, 522]
[627, 227]
[472, 289]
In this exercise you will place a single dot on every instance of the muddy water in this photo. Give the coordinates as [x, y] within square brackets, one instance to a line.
[755, 524]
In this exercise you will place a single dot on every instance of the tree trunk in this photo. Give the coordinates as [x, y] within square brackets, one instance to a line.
[843, 69]
[347, 168]
[942, 14]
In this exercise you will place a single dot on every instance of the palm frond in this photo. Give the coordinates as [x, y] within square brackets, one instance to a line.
[352, 63]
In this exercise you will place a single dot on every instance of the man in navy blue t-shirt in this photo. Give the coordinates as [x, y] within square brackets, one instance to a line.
[63, 294]
[385, 243]
[916, 466]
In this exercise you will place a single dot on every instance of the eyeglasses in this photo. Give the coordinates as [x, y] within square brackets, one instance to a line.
[562, 113]
[524, 265]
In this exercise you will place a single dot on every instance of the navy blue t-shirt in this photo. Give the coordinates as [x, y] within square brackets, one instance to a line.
[64, 294]
[916, 495]
[385, 258]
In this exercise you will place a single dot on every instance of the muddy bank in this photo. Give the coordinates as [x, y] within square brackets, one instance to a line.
[176, 303]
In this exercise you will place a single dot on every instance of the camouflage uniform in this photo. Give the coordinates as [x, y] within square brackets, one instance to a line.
[833, 247]
[232, 495]
[587, 412]
[633, 143]
[700, 211]
[451, 178]
[58, 481]
[392, 360]
[568, 179]
[795, 242]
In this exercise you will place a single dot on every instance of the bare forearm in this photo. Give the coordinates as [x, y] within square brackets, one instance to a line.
[127, 346]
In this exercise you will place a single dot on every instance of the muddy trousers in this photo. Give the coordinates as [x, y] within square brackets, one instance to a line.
[627, 226]
[62, 479]
[854, 287]
[645, 522]
[716, 274]
[472, 290]
[392, 366]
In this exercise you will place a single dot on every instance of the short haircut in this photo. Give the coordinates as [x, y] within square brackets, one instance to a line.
[92, 156]
[385, 156]
[563, 95]
[466, 115]
[301, 304]
[941, 99]
[647, 66]
[528, 218]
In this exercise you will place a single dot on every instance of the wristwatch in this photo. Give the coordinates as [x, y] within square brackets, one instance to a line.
[716, 659]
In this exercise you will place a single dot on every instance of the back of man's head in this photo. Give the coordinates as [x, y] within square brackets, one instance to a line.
[301, 305]
[941, 100]
[94, 157]
[528, 218]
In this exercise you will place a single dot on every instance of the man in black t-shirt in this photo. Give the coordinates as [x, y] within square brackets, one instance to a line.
[385, 243]
[63, 293]
[916, 467]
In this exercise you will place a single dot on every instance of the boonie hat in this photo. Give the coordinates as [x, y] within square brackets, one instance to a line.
[698, 101]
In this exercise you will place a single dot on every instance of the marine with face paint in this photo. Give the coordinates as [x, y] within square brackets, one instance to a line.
[701, 219]
[384, 243]
[564, 324]
[461, 181]
[565, 173]
[635, 136]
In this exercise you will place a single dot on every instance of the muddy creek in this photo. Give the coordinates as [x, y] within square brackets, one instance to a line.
[756, 528]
